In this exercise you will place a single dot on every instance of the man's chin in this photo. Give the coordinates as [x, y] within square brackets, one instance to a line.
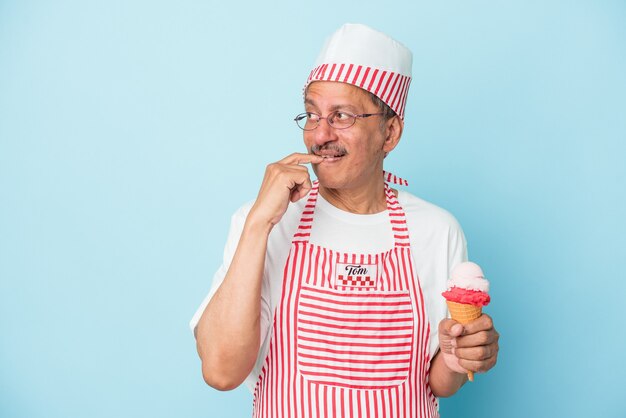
[328, 180]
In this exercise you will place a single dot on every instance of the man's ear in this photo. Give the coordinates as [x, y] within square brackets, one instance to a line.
[393, 130]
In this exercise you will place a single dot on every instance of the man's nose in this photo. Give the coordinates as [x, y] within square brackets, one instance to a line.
[324, 132]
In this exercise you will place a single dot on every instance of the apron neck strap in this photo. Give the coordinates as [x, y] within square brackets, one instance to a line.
[306, 220]
[397, 217]
[391, 178]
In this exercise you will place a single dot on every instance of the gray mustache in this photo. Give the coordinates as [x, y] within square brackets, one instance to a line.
[316, 149]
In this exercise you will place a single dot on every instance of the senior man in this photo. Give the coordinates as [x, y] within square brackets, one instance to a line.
[328, 302]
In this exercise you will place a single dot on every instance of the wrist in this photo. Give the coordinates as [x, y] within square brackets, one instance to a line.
[445, 380]
[257, 226]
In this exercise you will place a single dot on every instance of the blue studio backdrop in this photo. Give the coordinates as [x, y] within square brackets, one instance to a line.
[131, 130]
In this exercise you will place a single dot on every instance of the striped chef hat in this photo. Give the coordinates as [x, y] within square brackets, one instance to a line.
[359, 55]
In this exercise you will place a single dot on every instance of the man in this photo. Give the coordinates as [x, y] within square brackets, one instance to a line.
[329, 299]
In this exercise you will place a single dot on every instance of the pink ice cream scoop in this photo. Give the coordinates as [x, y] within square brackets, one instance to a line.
[467, 285]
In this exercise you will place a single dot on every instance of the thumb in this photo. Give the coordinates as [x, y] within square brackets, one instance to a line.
[456, 330]
[451, 329]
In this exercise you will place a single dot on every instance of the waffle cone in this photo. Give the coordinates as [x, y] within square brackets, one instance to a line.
[464, 313]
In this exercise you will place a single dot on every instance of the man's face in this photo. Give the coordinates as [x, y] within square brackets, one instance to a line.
[355, 155]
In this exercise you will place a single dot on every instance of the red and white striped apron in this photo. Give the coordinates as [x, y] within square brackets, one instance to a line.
[350, 334]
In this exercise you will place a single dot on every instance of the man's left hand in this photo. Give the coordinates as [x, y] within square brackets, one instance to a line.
[469, 347]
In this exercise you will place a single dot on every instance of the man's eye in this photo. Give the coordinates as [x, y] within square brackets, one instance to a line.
[340, 116]
[312, 116]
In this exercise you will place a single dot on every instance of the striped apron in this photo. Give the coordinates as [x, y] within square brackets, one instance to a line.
[350, 334]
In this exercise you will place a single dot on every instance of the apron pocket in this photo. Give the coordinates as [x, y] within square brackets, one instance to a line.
[360, 340]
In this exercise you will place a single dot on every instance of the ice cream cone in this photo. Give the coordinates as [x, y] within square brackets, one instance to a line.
[466, 294]
[464, 313]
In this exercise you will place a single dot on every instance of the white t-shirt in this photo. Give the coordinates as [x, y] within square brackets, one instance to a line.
[437, 246]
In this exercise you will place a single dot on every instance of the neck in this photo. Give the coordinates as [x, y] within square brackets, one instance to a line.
[367, 199]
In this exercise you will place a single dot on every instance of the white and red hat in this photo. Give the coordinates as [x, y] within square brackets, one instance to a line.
[359, 55]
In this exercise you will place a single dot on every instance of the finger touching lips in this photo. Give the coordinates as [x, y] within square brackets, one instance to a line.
[299, 158]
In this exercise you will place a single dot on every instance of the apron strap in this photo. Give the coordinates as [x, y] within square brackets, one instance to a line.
[397, 218]
[306, 220]
[391, 178]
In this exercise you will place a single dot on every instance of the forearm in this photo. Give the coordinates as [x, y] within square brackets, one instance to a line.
[443, 381]
[228, 333]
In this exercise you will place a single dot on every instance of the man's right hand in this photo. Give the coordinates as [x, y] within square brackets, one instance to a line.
[285, 181]
[229, 331]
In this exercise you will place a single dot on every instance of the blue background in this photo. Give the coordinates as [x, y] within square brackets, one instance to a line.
[129, 132]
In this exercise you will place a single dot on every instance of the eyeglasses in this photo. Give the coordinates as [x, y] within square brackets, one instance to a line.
[337, 119]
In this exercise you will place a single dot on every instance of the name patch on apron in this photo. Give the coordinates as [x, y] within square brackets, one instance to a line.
[356, 275]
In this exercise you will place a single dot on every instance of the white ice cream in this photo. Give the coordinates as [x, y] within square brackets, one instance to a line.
[468, 276]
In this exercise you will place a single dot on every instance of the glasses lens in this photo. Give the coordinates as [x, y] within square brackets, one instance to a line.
[307, 121]
[341, 120]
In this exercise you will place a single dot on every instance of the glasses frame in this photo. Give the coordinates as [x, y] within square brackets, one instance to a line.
[330, 118]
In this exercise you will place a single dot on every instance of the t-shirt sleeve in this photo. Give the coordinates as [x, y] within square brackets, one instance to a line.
[236, 227]
[456, 253]
[457, 248]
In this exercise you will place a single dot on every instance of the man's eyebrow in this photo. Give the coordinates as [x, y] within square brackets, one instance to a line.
[333, 107]
[343, 106]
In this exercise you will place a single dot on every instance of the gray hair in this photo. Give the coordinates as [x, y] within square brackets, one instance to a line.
[383, 108]
[387, 112]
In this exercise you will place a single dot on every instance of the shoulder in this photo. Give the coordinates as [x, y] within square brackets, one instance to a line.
[419, 211]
